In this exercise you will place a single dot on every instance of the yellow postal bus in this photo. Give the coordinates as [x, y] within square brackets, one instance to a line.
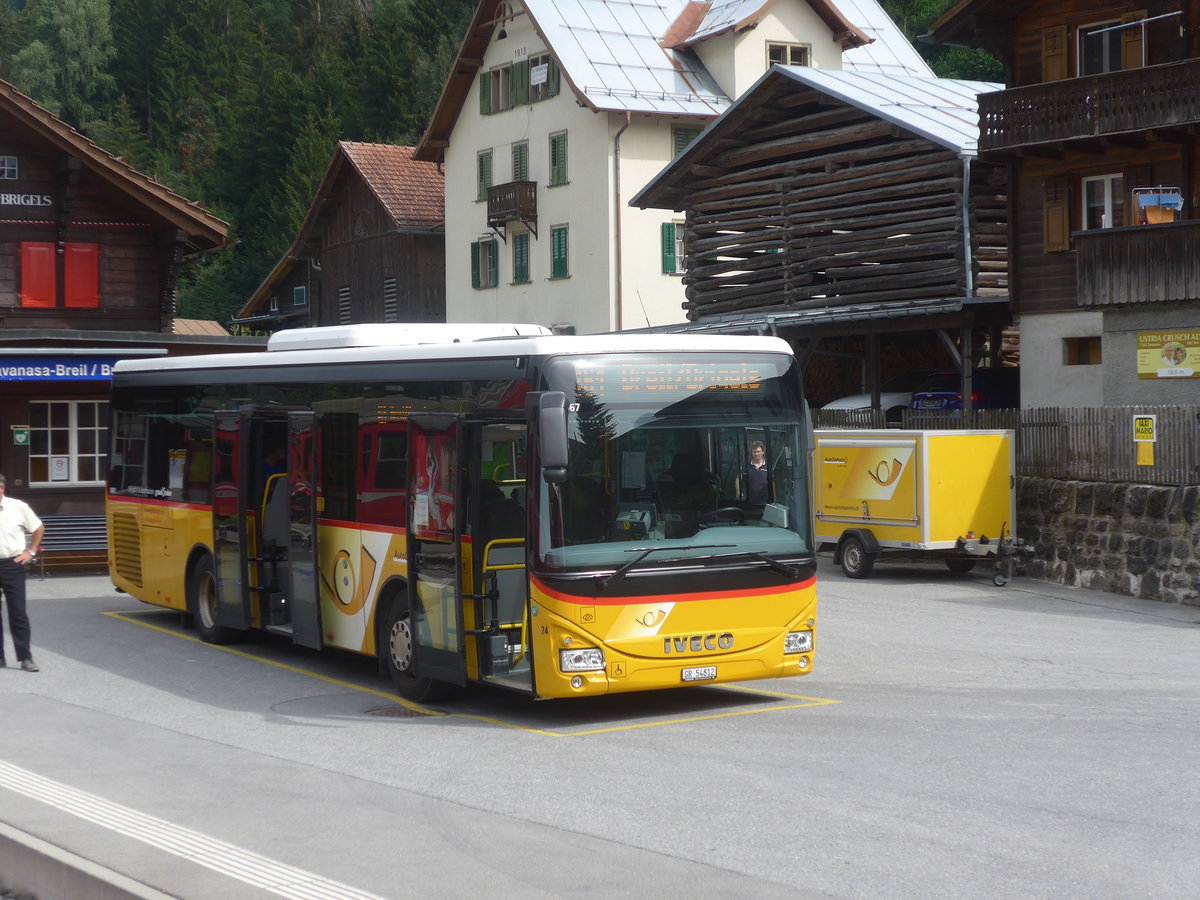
[559, 515]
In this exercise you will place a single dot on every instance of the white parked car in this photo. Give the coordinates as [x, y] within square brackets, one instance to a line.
[895, 394]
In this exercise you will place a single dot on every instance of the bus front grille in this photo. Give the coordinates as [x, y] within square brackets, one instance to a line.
[127, 549]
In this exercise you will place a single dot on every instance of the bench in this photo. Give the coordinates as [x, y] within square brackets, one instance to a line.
[73, 541]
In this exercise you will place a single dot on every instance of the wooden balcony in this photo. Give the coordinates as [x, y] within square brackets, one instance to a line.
[1135, 100]
[515, 201]
[1138, 264]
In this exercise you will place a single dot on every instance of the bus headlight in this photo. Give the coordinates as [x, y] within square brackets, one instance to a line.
[798, 642]
[583, 659]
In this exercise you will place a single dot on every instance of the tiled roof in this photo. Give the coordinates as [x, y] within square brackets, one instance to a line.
[200, 326]
[412, 191]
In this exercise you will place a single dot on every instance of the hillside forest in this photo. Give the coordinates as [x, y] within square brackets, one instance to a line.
[238, 104]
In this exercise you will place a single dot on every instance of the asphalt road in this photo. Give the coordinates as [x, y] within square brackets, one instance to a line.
[955, 739]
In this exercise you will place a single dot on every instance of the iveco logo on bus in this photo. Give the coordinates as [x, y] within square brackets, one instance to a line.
[697, 643]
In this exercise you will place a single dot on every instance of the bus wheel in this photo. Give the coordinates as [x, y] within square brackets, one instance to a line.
[398, 651]
[856, 561]
[203, 604]
[960, 566]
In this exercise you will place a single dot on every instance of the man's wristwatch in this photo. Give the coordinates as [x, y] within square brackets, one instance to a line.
[32, 553]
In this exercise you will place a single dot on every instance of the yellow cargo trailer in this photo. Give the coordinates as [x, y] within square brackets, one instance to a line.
[949, 494]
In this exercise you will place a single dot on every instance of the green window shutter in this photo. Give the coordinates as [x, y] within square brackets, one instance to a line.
[558, 158]
[475, 264]
[493, 265]
[682, 137]
[520, 258]
[484, 174]
[485, 94]
[520, 161]
[558, 252]
[668, 248]
[552, 79]
[520, 82]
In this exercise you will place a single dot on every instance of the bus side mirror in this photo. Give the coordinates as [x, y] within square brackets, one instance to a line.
[552, 436]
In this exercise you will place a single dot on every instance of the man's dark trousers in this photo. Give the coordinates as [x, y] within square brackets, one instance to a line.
[12, 584]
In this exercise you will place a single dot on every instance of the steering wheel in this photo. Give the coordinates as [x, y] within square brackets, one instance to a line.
[726, 514]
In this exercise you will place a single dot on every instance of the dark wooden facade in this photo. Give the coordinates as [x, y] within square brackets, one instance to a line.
[1134, 123]
[371, 249]
[874, 246]
[799, 200]
[90, 251]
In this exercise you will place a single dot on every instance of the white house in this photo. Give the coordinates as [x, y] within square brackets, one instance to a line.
[556, 112]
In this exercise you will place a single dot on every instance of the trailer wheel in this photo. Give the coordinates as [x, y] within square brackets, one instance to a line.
[960, 566]
[398, 655]
[856, 561]
[999, 579]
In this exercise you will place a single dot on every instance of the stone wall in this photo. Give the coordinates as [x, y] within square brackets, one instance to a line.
[1133, 539]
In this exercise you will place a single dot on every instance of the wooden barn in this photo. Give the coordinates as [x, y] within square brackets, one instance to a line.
[841, 208]
[371, 247]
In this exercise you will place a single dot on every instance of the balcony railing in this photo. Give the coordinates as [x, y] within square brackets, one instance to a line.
[1138, 264]
[1079, 108]
[515, 201]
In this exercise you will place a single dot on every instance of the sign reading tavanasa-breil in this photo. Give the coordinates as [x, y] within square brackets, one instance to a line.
[56, 368]
[1168, 354]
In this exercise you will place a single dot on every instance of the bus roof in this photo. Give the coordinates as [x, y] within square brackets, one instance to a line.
[321, 352]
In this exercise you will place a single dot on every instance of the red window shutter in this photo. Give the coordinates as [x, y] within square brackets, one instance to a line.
[37, 274]
[81, 274]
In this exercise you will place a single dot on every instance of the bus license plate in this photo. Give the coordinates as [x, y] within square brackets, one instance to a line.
[700, 673]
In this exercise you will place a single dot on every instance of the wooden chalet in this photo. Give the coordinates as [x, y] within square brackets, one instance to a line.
[1099, 125]
[371, 247]
[824, 205]
[90, 251]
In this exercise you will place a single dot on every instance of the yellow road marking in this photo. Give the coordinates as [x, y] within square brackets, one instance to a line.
[131, 617]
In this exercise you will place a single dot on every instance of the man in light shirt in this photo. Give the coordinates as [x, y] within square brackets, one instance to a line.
[16, 521]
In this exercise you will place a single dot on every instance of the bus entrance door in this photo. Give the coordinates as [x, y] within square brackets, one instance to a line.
[231, 452]
[434, 536]
[304, 592]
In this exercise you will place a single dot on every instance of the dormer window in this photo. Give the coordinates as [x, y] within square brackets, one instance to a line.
[787, 54]
[8, 167]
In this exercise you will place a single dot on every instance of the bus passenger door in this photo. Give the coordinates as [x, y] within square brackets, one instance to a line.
[230, 430]
[434, 532]
[304, 590]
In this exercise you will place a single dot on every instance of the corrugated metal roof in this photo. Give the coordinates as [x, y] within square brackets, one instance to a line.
[889, 53]
[945, 110]
[610, 52]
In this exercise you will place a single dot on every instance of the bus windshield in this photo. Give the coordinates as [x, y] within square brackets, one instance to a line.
[688, 457]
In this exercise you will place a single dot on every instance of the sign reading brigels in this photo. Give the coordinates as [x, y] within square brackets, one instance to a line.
[7, 199]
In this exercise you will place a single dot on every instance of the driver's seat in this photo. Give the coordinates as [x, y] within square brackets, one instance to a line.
[685, 492]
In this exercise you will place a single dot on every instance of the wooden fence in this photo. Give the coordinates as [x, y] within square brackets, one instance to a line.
[1083, 444]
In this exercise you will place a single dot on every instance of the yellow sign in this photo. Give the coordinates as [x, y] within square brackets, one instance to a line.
[1143, 428]
[1168, 354]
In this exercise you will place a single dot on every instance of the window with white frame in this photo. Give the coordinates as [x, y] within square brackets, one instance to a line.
[1103, 201]
[485, 264]
[274, 304]
[8, 167]
[1100, 47]
[68, 441]
[787, 54]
